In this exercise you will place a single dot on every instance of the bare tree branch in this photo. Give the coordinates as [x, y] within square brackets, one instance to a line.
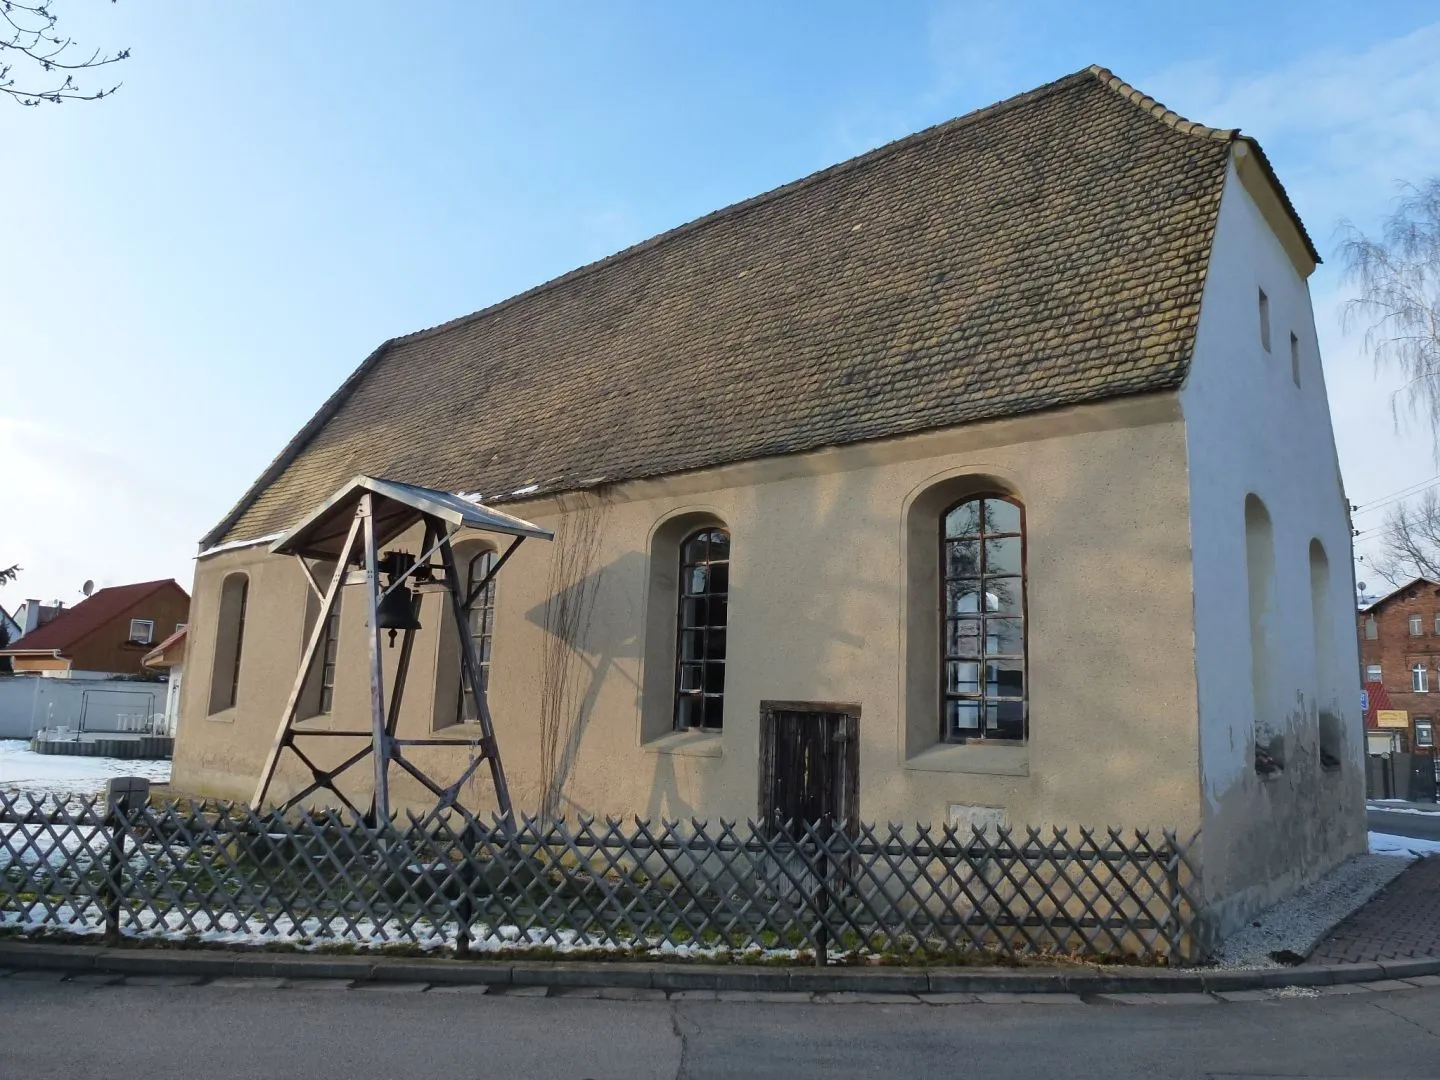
[1410, 542]
[27, 36]
[1398, 274]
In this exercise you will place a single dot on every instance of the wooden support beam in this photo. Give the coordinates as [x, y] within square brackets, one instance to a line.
[432, 527]
[310, 576]
[404, 763]
[470, 664]
[326, 778]
[479, 587]
[407, 647]
[377, 667]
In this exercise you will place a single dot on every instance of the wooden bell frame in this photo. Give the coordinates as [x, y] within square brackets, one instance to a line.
[368, 513]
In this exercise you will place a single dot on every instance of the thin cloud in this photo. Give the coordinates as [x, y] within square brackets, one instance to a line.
[1341, 128]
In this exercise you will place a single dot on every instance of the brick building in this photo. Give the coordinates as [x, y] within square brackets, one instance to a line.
[1400, 658]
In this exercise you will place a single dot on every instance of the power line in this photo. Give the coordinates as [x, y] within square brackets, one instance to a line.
[1394, 496]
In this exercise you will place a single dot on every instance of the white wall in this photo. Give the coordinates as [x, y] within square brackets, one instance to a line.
[1250, 429]
[28, 703]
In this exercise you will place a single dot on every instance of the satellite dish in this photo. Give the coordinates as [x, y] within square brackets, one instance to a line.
[1360, 585]
[88, 587]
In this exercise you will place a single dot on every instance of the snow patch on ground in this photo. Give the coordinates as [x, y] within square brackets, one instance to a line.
[308, 935]
[1400, 807]
[1408, 848]
[1297, 923]
[21, 769]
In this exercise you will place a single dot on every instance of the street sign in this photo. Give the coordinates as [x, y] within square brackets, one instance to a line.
[1364, 700]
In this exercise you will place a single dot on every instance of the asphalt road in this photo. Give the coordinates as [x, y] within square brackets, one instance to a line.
[1421, 826]
[53, 1030]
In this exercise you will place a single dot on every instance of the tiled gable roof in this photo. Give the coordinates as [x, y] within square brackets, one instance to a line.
[74, 624]
[1381, 601]
[1045, 251]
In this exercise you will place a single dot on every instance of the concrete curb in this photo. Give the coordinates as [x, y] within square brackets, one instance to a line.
[201, 963]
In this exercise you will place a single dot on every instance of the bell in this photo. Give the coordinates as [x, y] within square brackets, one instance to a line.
[397, 611]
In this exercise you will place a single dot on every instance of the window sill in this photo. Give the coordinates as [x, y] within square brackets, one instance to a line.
[973, 758]
[462, 731]
[224, 716]
[687, 743]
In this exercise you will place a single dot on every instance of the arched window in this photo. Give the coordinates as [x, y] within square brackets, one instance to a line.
[229, 637]
[1326, 706]
[700, 645]
[982, 563]
[1263, 606]
[481, 628]
[318, 696]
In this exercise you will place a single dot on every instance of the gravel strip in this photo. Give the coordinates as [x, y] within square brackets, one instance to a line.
[1297, 924]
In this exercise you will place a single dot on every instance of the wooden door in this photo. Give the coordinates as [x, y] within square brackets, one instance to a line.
[809, 763]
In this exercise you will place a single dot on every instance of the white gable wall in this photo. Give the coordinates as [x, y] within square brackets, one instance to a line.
[1249, 429]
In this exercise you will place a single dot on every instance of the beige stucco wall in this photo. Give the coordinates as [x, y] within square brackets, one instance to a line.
[818, 611]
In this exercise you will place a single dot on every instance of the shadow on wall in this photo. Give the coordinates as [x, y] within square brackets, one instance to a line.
[577, 656]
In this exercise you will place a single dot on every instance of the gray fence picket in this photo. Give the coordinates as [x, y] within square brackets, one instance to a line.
[231, 874]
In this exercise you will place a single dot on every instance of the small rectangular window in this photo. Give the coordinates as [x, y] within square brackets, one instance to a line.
[1424, 732]
[1295, 359]
[1417, 626]
[142, 630]
[1420, 679]
[1372, 631]
[1264, 320]
[1372, 673]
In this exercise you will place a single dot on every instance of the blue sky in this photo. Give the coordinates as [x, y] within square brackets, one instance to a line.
[192, 266]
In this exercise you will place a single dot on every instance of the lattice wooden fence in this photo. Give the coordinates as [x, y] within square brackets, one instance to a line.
[223, 873]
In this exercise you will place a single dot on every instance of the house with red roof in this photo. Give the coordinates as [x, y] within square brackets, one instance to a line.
[109, 632]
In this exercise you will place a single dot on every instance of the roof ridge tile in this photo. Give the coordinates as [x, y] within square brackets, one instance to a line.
[1165, 115]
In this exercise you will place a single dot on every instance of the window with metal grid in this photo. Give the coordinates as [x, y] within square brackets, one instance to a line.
[330, 651]
[982, 562]
[700, 649]
[482, 631]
